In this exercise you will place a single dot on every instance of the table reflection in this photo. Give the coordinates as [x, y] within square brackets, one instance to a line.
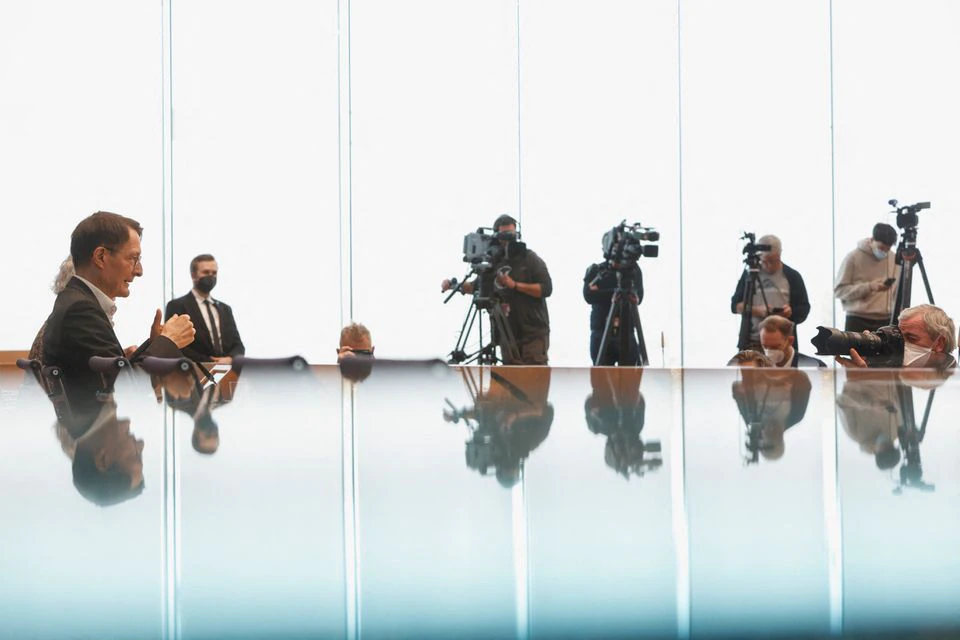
[770, 401]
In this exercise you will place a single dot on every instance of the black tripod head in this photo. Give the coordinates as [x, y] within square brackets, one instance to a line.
[752, 250]
[907, 220]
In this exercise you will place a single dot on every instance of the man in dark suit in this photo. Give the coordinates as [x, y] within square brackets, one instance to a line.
[106, 255]
[217, 337]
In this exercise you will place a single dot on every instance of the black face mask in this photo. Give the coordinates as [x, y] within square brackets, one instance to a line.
[206, 284]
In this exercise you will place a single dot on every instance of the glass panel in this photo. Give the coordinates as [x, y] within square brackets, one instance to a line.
[599, 126]
[756, 157]
[896, 128]
[434, 103]
[759, 560]
[261, 507]
[80, 131]
[255, 167]
[601, 484]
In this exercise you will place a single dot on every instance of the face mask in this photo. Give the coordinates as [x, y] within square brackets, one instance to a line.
[879, 255]
[912, 353]
[206, 284]
[775, 355]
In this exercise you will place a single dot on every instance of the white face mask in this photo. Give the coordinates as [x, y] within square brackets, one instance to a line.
[912, 353]
[775, 355]
[878, 254]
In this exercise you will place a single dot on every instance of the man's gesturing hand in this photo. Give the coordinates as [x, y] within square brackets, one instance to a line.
[179, 329]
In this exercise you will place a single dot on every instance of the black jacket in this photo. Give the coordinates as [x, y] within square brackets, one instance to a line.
[78, 329]
[800, 360]
[601, 299]
[528, 315]
[202, 348]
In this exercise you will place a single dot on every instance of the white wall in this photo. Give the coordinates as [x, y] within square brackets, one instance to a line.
[703, 119]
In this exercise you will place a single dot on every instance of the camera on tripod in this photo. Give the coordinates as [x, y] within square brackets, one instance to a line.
[883, 347]
[907, 215]
[623, 244]
[485, 250]
[752, 250]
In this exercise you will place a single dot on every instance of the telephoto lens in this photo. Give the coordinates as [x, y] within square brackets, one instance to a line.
[883, 347]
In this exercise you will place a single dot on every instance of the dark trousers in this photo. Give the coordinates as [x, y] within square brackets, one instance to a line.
[858, 324]
[613, 356]
[533, 351]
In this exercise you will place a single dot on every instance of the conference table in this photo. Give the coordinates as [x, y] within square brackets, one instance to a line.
[424, 500]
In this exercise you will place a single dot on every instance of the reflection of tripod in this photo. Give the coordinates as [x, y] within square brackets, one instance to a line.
[908, 256]
[911, 471]
[500, 331]
[752, 286]
[624, 310]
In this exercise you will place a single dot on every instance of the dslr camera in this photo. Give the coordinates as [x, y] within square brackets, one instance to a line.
[881, 348]
[623, 244]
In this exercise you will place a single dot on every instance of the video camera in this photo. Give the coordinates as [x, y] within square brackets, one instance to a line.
[883, 347]
[485, 250]
[907, 215]
[752, 250]
[623, 244]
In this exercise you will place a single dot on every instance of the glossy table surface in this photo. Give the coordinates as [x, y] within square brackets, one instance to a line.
[433, 501]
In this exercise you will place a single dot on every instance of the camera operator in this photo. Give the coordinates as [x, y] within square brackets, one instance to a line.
[599, 284]
[929, 338]
[865, 280]
[523, 284]
[776, 338]
[783, 290]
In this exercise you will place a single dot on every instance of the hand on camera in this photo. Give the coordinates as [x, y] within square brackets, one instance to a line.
[179, 329]
[855, 361]
[505, 281]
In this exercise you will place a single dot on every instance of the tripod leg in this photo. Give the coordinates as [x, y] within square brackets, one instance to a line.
[638, 329]
[923, 275]
[746, 315]
[605, 340]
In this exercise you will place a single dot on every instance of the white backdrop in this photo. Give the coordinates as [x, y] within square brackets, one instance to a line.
[703, 119]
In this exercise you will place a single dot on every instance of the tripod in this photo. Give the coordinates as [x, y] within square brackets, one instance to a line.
[623, 308]
[500, 331]
[910, 437]
[908, 256]
[752, 286]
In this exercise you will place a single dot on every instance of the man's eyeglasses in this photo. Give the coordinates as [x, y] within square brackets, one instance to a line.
[135, 259]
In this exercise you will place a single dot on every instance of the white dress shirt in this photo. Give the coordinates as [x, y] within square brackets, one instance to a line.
[206, 316]
[108, 305]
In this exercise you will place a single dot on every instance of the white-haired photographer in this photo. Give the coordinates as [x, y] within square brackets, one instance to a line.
[929, 339]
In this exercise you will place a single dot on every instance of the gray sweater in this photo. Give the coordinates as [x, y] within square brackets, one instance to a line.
[852, 286]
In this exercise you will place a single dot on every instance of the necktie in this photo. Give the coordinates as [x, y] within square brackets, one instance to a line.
[214, 330]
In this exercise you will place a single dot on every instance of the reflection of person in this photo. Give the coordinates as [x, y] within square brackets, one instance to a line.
[771, 401]
[929, 338]
[183, 395]
[355, 340]
[509, 420]
[599, 285]
[871, 412]
[615, 408]
[782, 288]
[106, 255]
[776, 338]
[524, 290]
[749, 358]
[865, 281]
[217, 339]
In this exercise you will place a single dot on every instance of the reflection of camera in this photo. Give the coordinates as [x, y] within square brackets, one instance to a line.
[624, 243]
[884, 346]
[752, 250]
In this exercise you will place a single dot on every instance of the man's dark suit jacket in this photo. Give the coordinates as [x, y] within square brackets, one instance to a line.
[78, 328]
[202, 348]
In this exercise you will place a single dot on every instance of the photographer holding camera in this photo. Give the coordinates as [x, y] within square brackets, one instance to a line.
[865, 280]
[783, 293]
[928, 340]
[522, 284]
[599, 285]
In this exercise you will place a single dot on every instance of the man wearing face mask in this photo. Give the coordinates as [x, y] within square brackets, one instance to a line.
[866, 279]
[929, 338]
[776, 338]
[217, 338]
[783, 292]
